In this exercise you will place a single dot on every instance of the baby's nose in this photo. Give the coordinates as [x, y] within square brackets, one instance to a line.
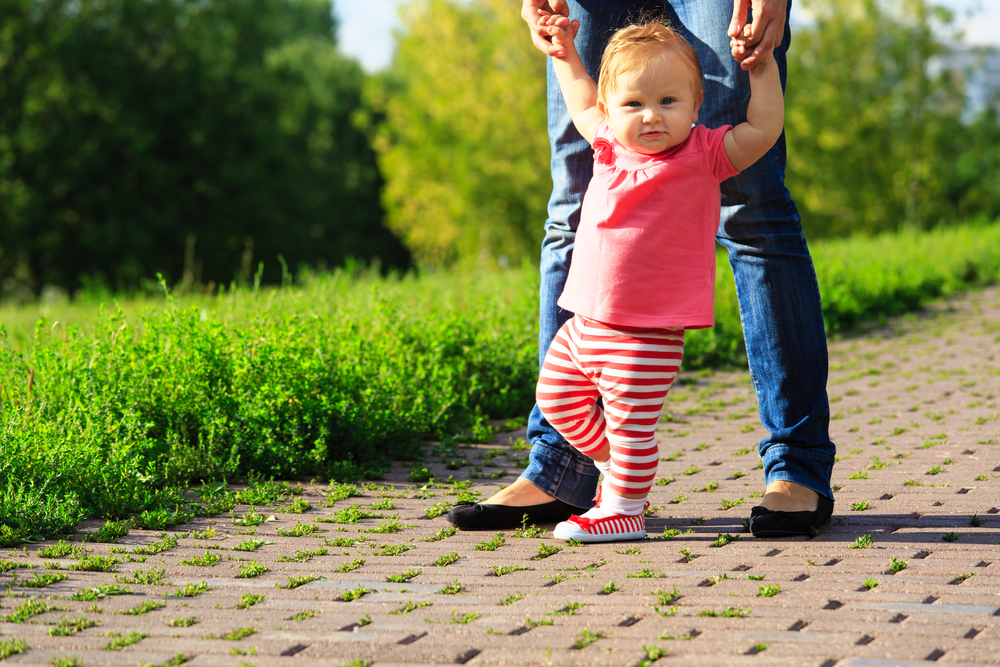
[650, 116]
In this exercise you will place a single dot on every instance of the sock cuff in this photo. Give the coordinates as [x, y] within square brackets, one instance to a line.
[616, 504]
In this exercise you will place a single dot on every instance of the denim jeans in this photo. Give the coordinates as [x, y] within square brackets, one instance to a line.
[760, 226]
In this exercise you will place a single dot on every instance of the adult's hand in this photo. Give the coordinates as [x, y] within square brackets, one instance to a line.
[751, 42]
[532, 11]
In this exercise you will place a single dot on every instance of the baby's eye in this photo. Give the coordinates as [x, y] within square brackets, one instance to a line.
[667, 100]
[633, 104]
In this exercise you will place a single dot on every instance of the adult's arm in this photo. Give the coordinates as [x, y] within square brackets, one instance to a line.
[532, 11]
[752, 41]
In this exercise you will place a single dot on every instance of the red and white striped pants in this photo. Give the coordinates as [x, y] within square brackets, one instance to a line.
[631, 369]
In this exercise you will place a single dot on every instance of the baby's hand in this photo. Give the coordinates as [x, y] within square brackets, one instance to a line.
[560, 29]
[739, 44]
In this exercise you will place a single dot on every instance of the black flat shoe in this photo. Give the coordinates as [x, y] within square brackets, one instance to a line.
[771, 523]
[478, 516]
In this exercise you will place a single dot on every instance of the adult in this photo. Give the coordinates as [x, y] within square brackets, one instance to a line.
[760, 226]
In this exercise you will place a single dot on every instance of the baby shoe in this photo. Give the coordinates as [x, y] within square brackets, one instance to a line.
[614, 528]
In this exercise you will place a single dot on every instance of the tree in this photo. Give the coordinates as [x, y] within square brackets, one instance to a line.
[183, 137]
[875, 132]
[463, 142]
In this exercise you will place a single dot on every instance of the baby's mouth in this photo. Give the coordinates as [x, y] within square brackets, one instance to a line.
[651, 135]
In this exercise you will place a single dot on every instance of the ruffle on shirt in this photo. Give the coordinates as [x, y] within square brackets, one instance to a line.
[604, 152]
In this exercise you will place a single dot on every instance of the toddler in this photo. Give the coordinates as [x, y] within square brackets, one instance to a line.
[643, 267]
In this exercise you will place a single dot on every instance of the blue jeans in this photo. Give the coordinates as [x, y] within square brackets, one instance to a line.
[760, 226]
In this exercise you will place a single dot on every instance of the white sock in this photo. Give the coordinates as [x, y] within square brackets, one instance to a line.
[612, 503]
[615, 504]
[604, 467]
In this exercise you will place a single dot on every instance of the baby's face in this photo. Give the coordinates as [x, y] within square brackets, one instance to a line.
[653, 111]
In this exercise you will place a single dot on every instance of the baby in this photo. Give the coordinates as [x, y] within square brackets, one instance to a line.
[643, 267]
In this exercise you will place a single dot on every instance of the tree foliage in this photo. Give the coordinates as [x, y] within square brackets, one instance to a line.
[876, 138]
[463, 143]
[187, 137]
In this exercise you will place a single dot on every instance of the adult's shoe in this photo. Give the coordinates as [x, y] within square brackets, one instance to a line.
[482, 516]
[775, 523]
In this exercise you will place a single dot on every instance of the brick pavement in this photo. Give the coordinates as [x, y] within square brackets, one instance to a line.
[916, 421]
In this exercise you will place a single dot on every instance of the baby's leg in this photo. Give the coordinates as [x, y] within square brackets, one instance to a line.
[567, 397]
[636, 371]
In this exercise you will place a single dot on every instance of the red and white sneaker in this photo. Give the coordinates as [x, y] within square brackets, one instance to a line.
[614, 528]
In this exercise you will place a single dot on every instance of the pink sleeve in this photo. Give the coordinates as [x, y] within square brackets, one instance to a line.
[716, 160]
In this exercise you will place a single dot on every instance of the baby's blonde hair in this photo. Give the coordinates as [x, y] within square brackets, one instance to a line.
[633, 47]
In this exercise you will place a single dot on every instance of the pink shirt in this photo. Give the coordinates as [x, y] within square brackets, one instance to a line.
[645, 249]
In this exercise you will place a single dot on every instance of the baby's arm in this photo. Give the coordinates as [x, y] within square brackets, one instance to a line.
[578, 88]
[747, 142]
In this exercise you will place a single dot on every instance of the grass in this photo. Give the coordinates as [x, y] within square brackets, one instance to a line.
[493, 544]
[66, 661]
[251, 570]
[897, 565]
[447, 559]
[166, 543]
[152, 578]
[768, 590]
[208, 560]
[144, 608]
[437, 509]
[120, 641]
[862, 542]
[182, 622]
[644, 573]
[724, 539]
[511, 598]
[29, 609]
[500, 570]
[57, 550]
[238, 634]
[728, 612]
[544, 550]
[349, 595]
[248, 600]
[300, 530]
[302, 556]
[42, 579]
[666, 597]
[403, 577]
[410, 606]
[96, 563]
[586, 637]
[352, 566]
[332, 377]
[12, 647]
[442, 534]
[250, 544]
[295, 582]
[454, 588]
[67, 627]
[192, 590]
[99, 592]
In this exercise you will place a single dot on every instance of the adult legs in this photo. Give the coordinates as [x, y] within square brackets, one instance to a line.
[775, 280]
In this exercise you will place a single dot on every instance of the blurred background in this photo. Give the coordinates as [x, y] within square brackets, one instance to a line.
[222, 141]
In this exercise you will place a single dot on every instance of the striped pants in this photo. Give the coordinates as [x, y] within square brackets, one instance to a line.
[631, 370]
